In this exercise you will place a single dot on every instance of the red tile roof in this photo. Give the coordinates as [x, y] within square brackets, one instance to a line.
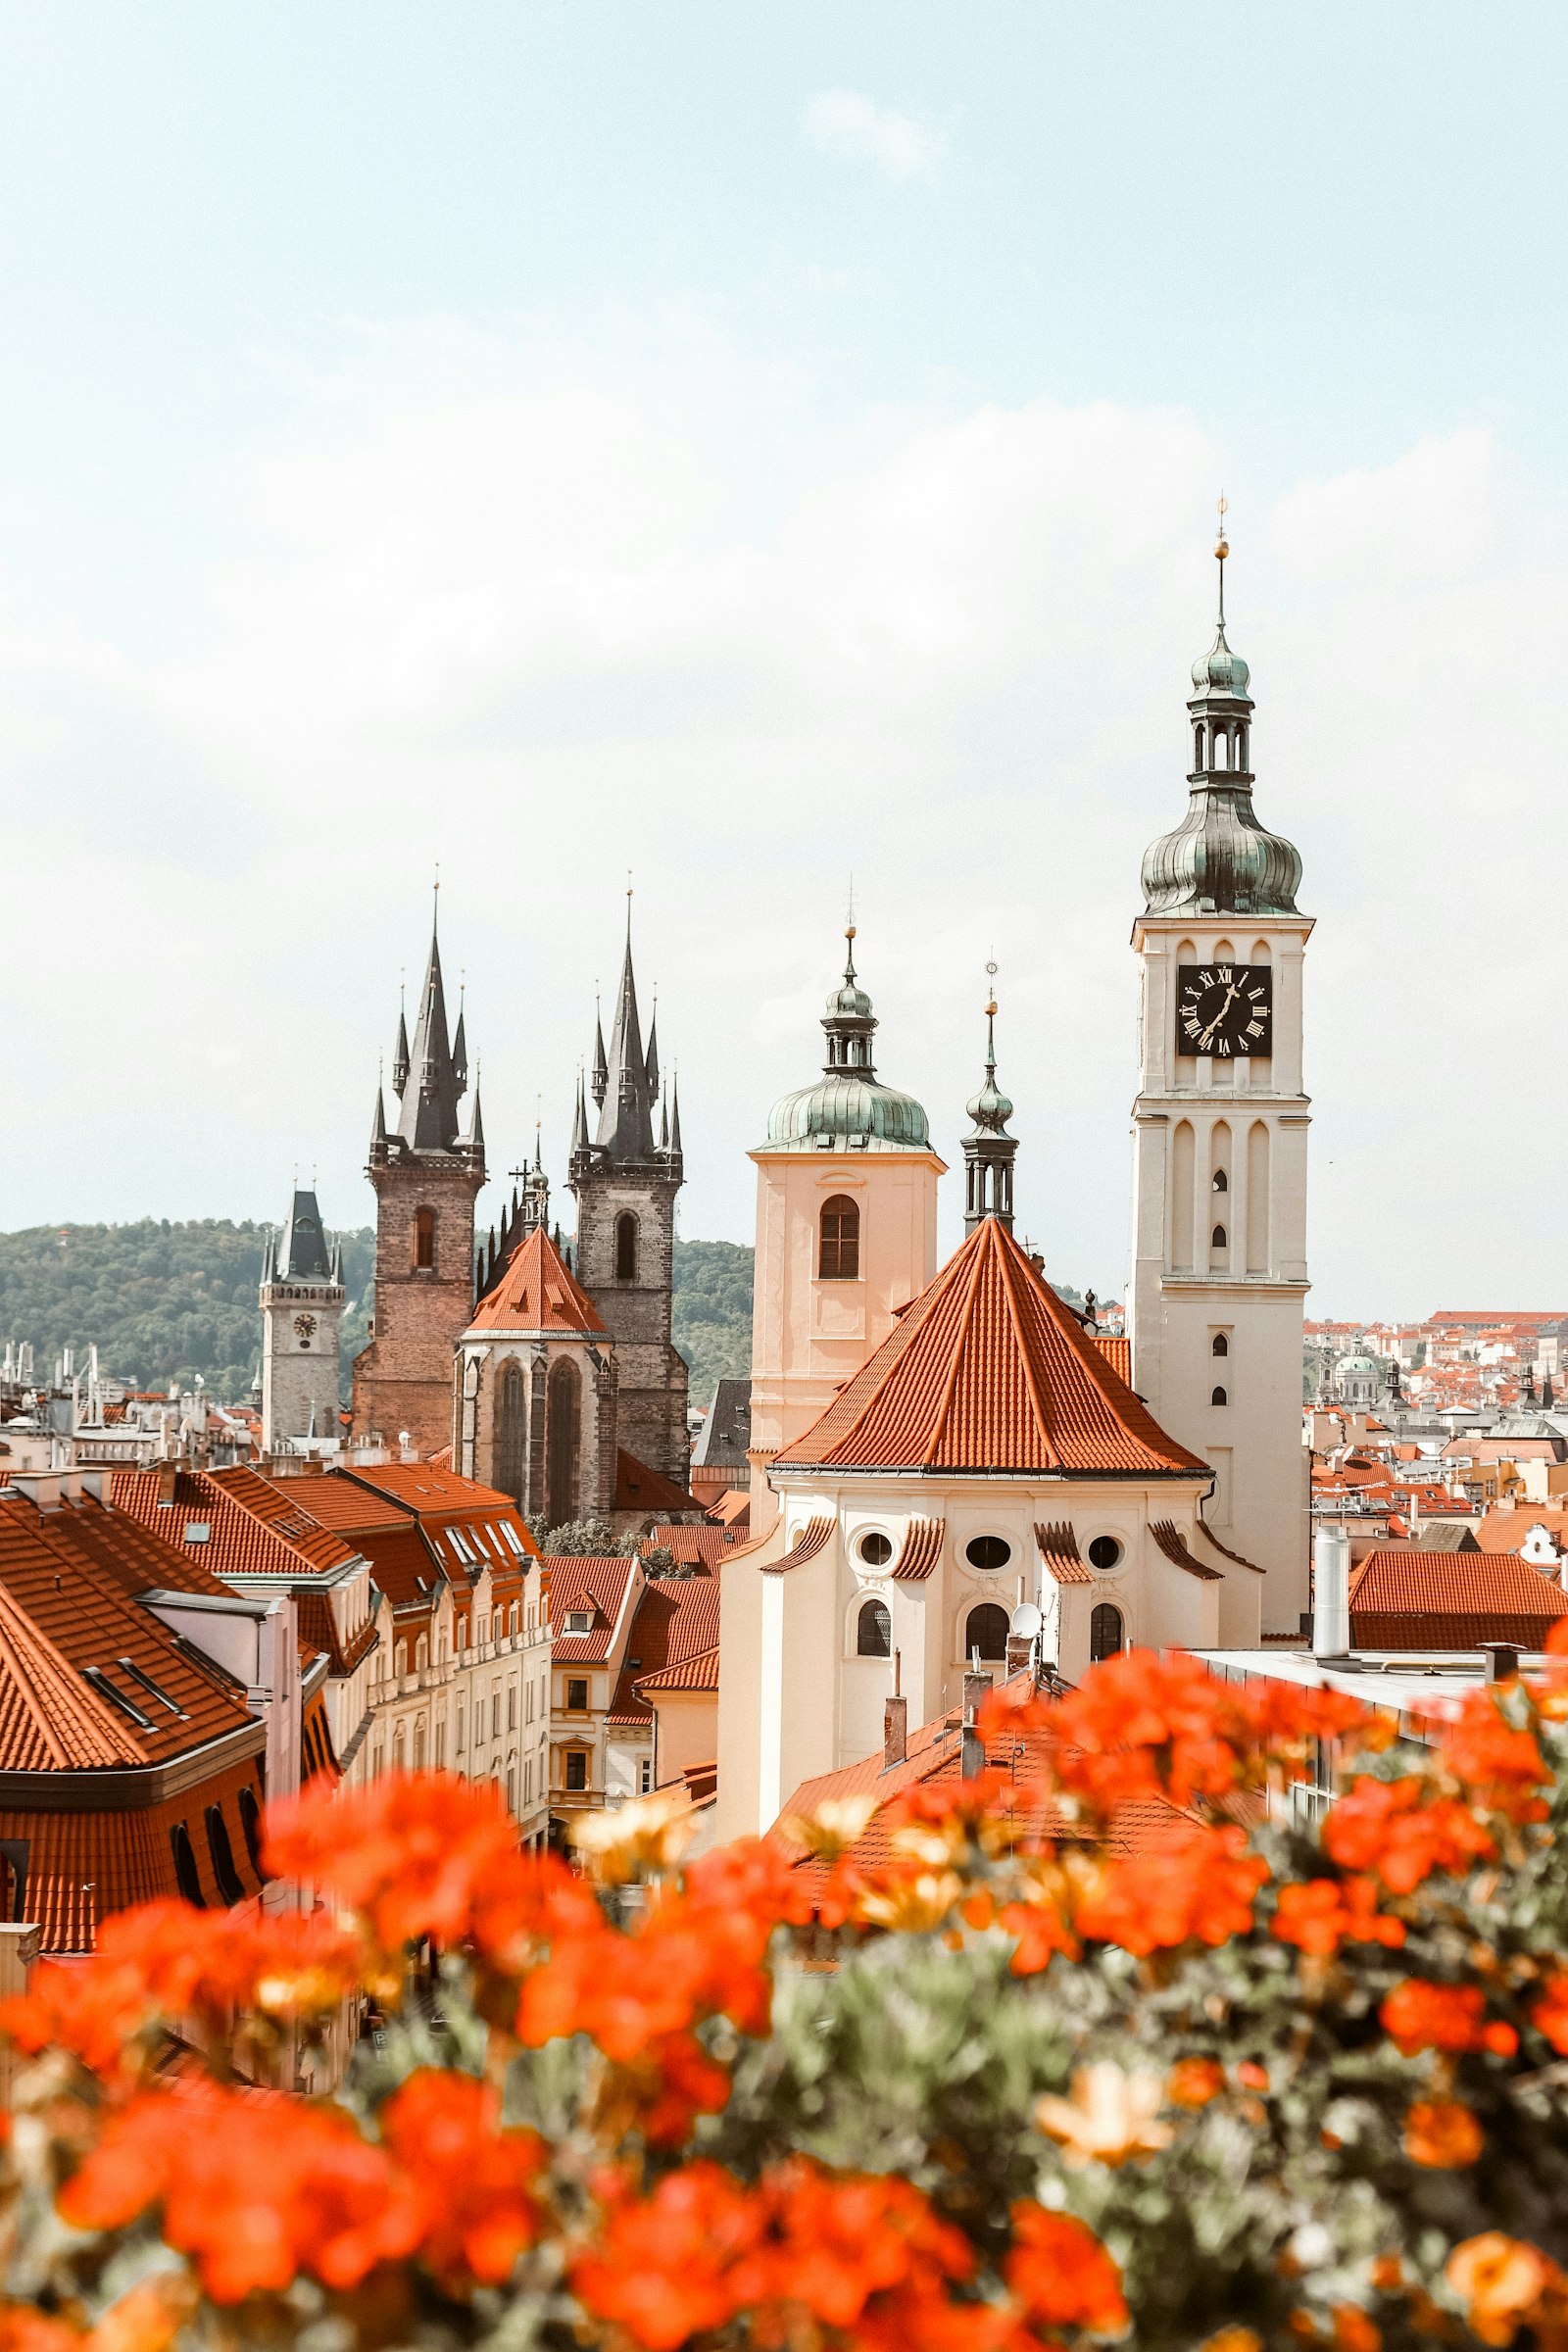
[811, 1539]
[581, 1580]
[923, 1548]
[1173, 1543]
[709, 1544]
[433, 1492]
[345, 1504]
[640, 1489]
[676, 1620]
[1117, 1349]
[700, 1671]
[1506, 1530]
[1059, 1548]
[252, 1530]
[1403, 1600]
[988, 1370]
[536, 1293]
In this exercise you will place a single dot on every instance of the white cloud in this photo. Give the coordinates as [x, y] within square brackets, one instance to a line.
[846, 122]
[542, 610]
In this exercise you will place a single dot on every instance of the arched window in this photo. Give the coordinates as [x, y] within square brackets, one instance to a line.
[840, 1259]
[1219, 1397]
[1218, 1239]
[187, 1876]
[418, 1745]
[510, 1432]
[400, 1658]
[1106, 1635]
[231, 1885]
[250, 1821]
[874, 1633]
[985, 1630]
[421, 1655]
[626, 1248]
[1222, 1345]
[562, 1417]
[1223, 1183]
[424, 1237]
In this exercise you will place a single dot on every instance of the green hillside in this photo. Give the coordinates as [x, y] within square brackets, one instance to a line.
[167, 1301]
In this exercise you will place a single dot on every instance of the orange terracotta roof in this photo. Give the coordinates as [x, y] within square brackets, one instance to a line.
[811, 1539]
[677, 1619]
[424, 1488]
[534, 1292]
[708, 1545]
[346, 1505]
[1117, 1349]
[923, 1548]
[700, 1671]
[251, 1531]
[580, 1579]
[990, 1371]
[1059, 1548]
[733, 1506]
[1506, 1530]
[638, 1488]
[1173, 1543]
[1408, 1599]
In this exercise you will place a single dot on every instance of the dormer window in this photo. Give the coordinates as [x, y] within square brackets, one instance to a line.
[579, 1621]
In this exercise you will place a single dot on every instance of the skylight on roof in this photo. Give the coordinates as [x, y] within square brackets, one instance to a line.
[116, 1697]
[154, 1690]
[198, 1530]
[513, 1539]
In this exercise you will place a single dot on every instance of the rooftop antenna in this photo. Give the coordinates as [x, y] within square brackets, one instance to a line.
[1222, 548]
[436, 909]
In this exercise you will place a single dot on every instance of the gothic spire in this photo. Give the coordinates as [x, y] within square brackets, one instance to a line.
[434, 1084]
[474, 1139]
[601, 1080]
[650, 1062]
[460, 1044]
[378, 1127]
[399, 1059]
[989, 1150]
[579, 1124]
[626, 1118]
[674, 1116]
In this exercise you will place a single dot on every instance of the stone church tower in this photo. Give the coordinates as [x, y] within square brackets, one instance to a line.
[625, 1180]
[302, 1306]
[1219, 1147]
[426, 1173]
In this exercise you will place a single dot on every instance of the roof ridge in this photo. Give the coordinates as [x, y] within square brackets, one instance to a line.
[1025, 1348]
[37, 1662]
[965, 1325]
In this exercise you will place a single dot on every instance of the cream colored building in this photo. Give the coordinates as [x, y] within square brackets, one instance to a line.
[846, 1231]
[1219, 1152]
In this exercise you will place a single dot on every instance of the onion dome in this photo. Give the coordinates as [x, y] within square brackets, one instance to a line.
[1220, 859]
[847, 1110]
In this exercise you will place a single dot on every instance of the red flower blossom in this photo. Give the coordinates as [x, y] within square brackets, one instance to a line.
[1396, 1829]
[1418, 2016]
[1550, 2016]
[1500, 1764]
[661, 2266]
[415, 1853]
[476, 2180]
[1061, 2274]
[1203, 1889]
[256, 2188]
[1325, 1913]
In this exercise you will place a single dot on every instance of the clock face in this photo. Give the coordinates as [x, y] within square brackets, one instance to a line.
[1224, 1009]
[305, 1326]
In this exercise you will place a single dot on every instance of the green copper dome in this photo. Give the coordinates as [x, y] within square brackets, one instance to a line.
[847, 1109]
[1220, 859]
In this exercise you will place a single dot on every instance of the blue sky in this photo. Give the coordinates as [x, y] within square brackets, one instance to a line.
[748, 445]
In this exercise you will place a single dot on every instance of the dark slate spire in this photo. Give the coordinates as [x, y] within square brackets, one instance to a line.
[625, 1120]
[1219, 860]
[399, 1059]
[651, 1063]
[434, 1087]
[663, 1123]
[989, 1150]
[675, 1117]
[474, 1139]
[303, 1257]
[378, 1127]
[460, 1044]
[601, 1080]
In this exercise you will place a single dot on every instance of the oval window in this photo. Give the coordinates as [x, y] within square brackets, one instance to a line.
[1104, 1552]
[987, 1552]
[875, 1550]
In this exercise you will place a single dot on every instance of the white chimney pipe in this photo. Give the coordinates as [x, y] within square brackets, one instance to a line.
[1331, 1592]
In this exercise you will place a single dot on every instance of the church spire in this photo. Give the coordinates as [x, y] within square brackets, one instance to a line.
[626, 1118]
[1220, 860]
[989, 1150]
[430, 1078]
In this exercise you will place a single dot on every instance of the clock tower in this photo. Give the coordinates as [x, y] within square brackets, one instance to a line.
[1219, 1147]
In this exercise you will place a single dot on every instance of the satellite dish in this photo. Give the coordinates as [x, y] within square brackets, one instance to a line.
[1026, 1621]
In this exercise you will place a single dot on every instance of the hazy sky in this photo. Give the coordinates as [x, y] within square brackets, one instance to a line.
[749, 444]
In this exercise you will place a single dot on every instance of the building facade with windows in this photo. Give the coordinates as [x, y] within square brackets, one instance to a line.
[845, 1231]
[593, 1602]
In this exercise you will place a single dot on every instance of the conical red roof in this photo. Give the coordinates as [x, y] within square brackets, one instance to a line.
[988, 1370]
[535, 1293]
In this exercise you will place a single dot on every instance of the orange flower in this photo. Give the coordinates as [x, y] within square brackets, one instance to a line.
[1500, 2282]
[1194, 2081]
[1062, 2274]
[415, 1853]
[1498, 1763]
[1353, 2330]
[478, 2180]
[25, 2329]
[1203, 1889]
[1418, 2016]
[255, 2187]
[1550, 2016]
[661, 2268]
[1402, 1833]
[1325, 1913]
[1443, 2134]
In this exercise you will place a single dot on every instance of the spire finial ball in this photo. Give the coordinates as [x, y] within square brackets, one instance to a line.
[850, 931]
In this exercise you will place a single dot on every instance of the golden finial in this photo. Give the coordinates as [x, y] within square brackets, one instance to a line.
[991, 992]
[1222, 546]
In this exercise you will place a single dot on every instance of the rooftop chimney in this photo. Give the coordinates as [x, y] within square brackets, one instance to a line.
[1503, 1662]
[976, 1686]
[894, 1732]
[1331, 1592]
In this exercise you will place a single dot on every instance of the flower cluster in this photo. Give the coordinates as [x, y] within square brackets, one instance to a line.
[1096, 2040]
